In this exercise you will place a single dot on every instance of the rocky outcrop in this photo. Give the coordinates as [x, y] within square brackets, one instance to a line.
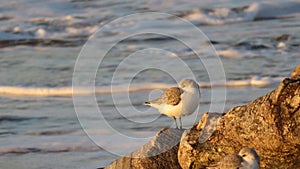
[159, 152]
[270, 125]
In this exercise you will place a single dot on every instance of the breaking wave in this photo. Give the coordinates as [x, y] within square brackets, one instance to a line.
[69, 91]
[253, 12]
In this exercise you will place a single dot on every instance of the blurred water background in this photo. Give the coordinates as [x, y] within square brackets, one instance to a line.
[258, 44]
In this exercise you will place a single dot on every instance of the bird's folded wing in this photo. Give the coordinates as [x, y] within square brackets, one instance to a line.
[172, 96]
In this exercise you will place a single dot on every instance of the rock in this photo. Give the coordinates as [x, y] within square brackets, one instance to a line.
[296, 73]
[269, 124]
[160, 152]
[198, 134]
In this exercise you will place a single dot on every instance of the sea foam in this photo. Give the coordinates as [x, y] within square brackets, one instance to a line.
[255, 11]
[70, 91]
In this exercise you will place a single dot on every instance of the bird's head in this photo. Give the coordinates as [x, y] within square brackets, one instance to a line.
[188, 83]
[249, 154]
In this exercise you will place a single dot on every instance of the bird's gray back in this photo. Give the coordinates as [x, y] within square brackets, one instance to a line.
[171, 96]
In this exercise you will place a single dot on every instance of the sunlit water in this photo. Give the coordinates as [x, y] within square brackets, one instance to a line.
[40, 42]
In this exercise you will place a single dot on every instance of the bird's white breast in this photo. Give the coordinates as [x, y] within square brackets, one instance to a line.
[190, 99]
[250, 164]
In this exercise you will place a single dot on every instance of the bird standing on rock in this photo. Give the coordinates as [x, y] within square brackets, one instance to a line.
[178, 101]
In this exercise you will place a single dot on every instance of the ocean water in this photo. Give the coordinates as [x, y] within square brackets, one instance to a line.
[113, 56]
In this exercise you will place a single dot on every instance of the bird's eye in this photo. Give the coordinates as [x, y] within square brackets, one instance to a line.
[244, 155]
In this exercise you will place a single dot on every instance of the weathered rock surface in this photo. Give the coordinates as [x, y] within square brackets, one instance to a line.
[160, 152]
[295, 74]
[269, 124]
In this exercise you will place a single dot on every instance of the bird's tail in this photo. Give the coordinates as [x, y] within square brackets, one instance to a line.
[147, 103]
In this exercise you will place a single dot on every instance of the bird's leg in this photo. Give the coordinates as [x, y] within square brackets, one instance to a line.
[180, 123]
[175, 122]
